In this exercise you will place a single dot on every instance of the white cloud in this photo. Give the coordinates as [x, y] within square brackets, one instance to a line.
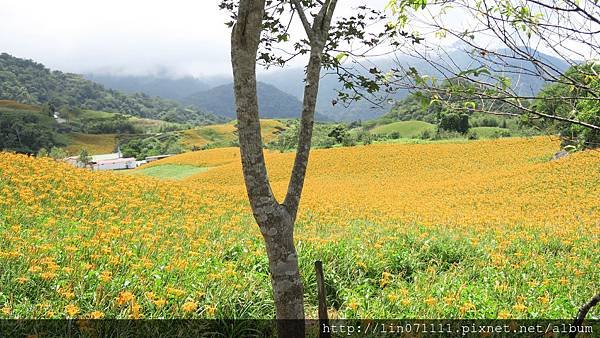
[133, 36]
[179, 37]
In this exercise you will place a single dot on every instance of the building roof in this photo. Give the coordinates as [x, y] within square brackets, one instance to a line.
[97, 158]
[156, 157]
[117, 160]
[105, 157]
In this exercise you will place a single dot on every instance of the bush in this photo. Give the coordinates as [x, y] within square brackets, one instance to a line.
[348, 141]
[471, 135]
[42, 153]
[394, 135]
[338, 132]
[326, 143]
[446, 135]
[140, 148]
[57, 153]
[500, 133]
[114, 126]
[425, 135]
[486, 121]
[364, 137]
[454, 122]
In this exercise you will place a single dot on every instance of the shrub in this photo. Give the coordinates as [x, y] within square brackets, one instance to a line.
[425, 135]
[57, 153]
[471, 135]
[338, 132]
[394, 135]
[348, 141]
[364, 137]
[454, 122]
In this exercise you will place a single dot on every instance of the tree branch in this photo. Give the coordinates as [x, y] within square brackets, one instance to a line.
[303, 19]
[311, 88]
[245, 39]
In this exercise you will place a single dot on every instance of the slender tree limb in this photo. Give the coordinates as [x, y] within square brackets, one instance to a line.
[246, 36]
[311, 89]
[307, 27]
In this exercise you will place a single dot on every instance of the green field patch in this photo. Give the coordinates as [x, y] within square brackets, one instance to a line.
[96, 114]
[170, 171]
[489, 132]
[406, 129]
[14, 105]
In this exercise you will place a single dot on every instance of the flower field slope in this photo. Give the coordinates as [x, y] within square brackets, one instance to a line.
[485, 229]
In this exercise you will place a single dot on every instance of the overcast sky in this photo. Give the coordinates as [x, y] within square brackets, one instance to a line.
[179, 37]
[135, 37]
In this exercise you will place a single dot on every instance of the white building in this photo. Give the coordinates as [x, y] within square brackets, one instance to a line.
[114, 164]
[114, 161]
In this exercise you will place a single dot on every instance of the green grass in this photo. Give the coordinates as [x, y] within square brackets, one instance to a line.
[95, 114]
[407, 129]
[94, 143]
[487, 132]
[170, 171]
[14, 105]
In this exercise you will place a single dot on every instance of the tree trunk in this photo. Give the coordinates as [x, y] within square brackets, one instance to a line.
[273, 219]
[288, 291]
[276, 221]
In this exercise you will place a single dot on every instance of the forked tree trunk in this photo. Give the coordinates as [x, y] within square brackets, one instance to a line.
[276, 221]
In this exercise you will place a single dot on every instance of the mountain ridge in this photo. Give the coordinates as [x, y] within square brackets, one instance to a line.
[272, 102]
[30, 82]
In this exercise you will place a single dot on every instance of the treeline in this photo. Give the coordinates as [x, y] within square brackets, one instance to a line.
[29, 82]
[27, 131]
[141, 147]
[325, 135]
[582, 104]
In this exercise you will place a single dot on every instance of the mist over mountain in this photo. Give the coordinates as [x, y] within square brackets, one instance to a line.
[281, 90]
[163, 85]
[292, 81]
[273, 103]
[519, 71]
[152, 85]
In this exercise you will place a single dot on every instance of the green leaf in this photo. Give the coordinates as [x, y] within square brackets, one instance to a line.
[470, 105]
[341, 56]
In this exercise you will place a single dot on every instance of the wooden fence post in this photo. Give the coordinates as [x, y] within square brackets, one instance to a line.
[323, 318]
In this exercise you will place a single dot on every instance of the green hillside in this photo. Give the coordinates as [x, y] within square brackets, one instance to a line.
[29, 128]
[26, 129]
[31, 83]
[169, 171]
[226, 134]
[489, 132]
[406, 129]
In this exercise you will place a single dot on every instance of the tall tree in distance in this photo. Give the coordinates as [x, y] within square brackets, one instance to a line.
[84, 157]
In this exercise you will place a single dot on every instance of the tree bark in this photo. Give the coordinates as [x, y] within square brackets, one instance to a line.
[318, 34]
[276, 221]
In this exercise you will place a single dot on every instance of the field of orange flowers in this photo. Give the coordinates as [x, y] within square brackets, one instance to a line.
[484, 229]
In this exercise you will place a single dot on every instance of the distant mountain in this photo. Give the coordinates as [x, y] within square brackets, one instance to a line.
[282, 89]
[153, 85]
[291, 80]
[29, 82]
[273, 103]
